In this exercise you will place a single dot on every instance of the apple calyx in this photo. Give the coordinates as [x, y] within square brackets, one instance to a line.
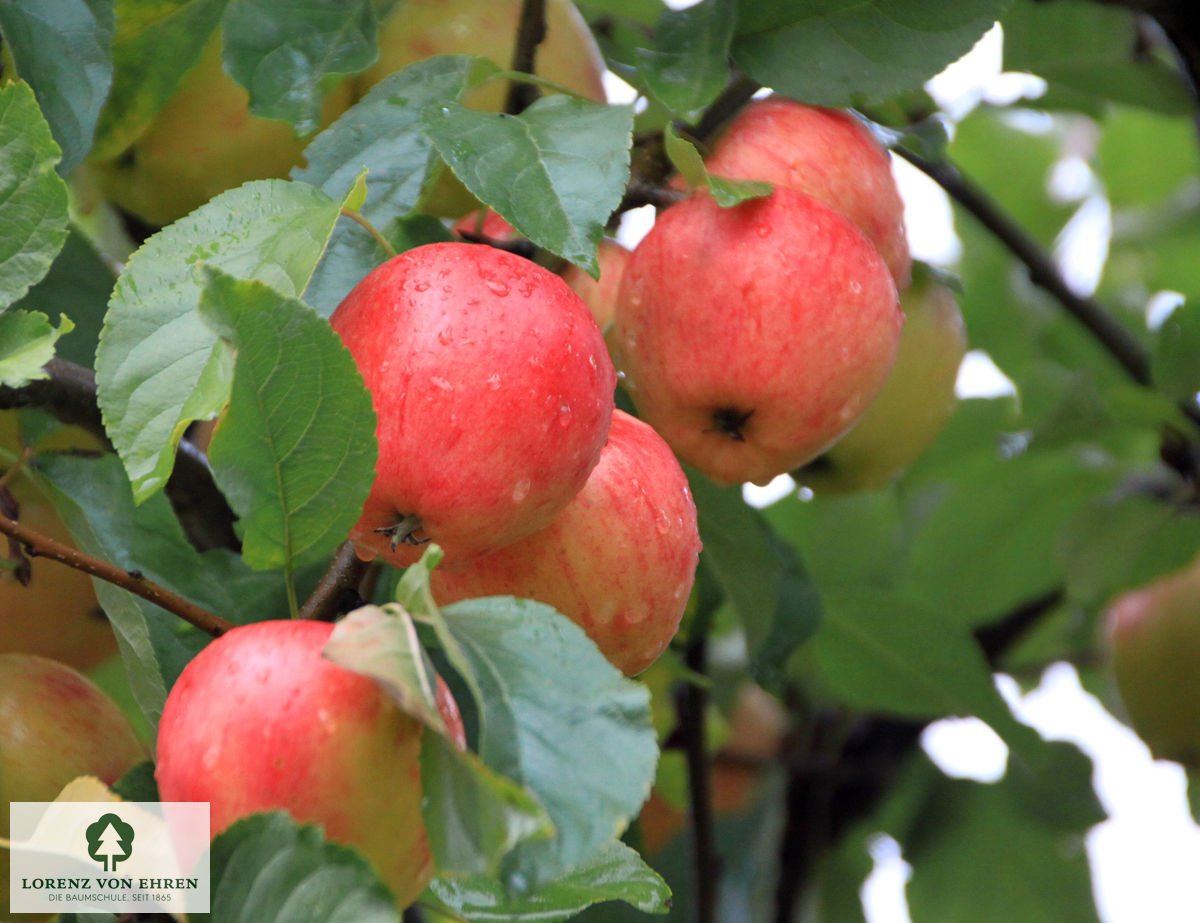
[731, 422]
[404, 531]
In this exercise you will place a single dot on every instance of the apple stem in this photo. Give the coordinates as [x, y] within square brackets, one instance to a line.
[367, 226]
[40, 546]
[403, 531]
[339, 584]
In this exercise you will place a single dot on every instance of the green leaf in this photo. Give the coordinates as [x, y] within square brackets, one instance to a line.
[156, 43]
[1176, 347]
[267, 868]
[1090, 52]
[881, 652]
[1119, 542]
[560, 720]
[382, 643]
[1132, 138]
[27, 341]
[843, 52]
[1007, 514]
[980, 853]
[33, 198]
[78, 284]
[614, 872]
[555, 172]
[156, 367]
[474, 816]
[138, 783]
[384, 135]
[761, 575]
[94, 499]
[689, 163]
[689, 65]
[63, 48]
[289, 56]
[295, 449]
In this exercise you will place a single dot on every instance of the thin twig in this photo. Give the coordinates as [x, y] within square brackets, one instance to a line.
[345, 573]
[531, 32]
[692, 706]
[38, 545]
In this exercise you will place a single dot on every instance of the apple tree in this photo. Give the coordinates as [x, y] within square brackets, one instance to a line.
[205, 200]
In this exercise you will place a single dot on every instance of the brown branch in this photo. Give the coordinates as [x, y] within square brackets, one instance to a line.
[69, 394]
[1116, 339]
[692, 705]
[38, 545]
[531, 32]
[339, 583]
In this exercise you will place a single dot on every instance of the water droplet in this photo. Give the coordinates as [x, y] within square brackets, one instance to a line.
[446, 336]
[421, 286]
[855, 286]
[493, 382]
[496, 287]
[564, 415]
[521, 491]
[441, 383]
[662, 522]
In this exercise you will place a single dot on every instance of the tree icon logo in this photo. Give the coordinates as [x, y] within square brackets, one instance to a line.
[110, 840]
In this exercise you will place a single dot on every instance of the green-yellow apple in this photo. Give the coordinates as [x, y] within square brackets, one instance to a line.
[56, 613]
[619, 560]
[203, 142]
[418, 29]
[55, 726]
[915, 404]
[827, 153]
[494, 394]
[260, 721]
[752, 337]
[1154, 643]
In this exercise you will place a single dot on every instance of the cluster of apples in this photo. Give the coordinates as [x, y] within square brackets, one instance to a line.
[498, 440]
[754, 337]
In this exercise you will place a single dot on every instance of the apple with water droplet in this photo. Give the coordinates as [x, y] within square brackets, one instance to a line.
[493, 391]
[1153, 635]
[619, 560]
[916, 402]
[753, 337]
[829, 154]
[260, 721]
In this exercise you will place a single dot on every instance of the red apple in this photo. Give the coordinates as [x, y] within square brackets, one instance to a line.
[1154, 643]
[600, 295]
[494, 393]
[619, 560]
[916, 402]
[259, 721]
[827, 153]
[55, 726]
[752, 337]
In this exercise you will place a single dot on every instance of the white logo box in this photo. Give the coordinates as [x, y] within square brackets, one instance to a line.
[111, 856]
